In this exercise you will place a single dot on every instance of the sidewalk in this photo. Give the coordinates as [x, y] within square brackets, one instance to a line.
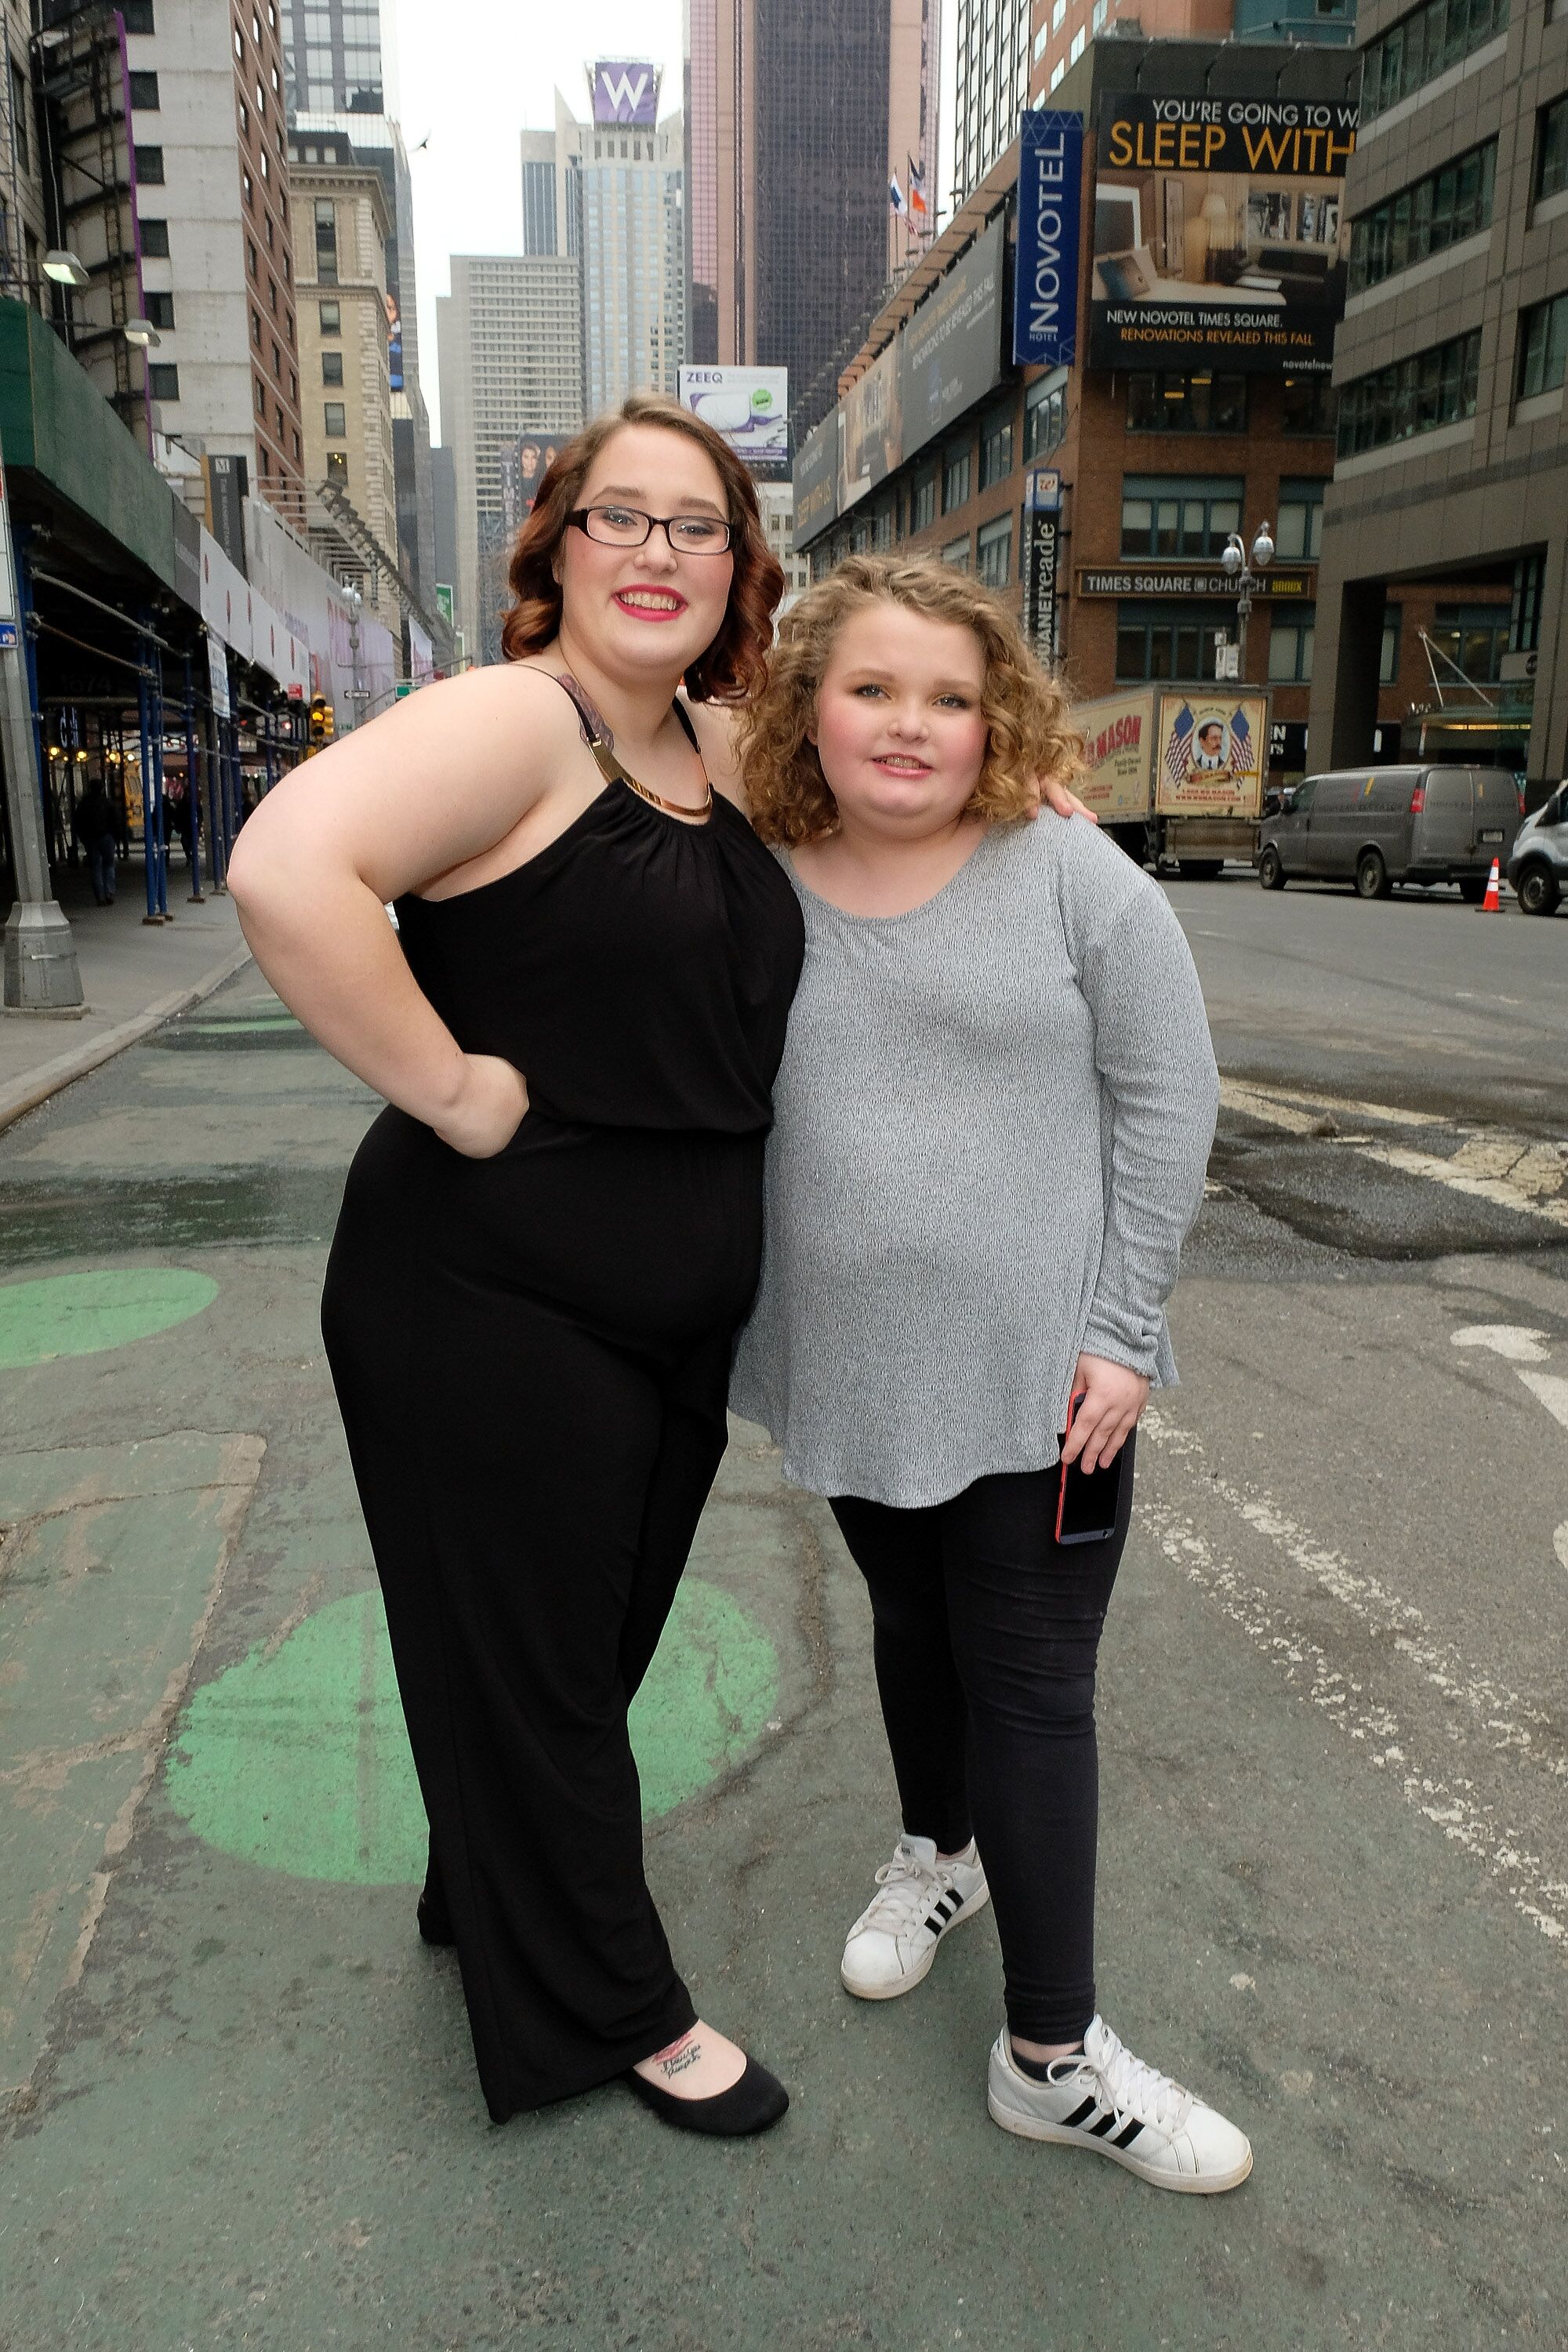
[133, 975]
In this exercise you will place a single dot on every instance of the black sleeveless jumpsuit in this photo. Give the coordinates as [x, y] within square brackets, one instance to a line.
[530, 1354]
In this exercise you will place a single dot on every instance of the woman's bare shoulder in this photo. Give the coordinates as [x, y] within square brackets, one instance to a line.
[718, 726]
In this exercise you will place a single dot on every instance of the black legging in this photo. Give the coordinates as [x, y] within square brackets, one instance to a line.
[986, 1633]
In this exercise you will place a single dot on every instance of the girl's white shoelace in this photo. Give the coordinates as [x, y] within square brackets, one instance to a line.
[907, 1888]
[1131, 2086]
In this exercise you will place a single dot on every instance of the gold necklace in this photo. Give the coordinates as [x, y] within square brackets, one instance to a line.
[612, 771]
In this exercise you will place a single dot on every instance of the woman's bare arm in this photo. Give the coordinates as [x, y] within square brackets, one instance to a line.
[436, 782]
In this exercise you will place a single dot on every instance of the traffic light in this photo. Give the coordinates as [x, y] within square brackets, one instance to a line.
[320, 721]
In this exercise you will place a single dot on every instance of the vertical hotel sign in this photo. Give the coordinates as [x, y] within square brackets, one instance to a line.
[1045, 284]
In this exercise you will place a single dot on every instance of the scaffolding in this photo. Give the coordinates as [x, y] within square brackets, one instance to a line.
[89, 202]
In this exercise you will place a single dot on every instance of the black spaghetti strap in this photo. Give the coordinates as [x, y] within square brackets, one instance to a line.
[680, 712]
[580, 704]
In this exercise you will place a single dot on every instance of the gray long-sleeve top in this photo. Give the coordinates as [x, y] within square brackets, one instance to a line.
[990, 1127]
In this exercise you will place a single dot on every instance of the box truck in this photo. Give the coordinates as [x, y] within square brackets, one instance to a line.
[1177, 772]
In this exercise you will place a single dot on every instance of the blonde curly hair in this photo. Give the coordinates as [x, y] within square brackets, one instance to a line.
[1029, 737]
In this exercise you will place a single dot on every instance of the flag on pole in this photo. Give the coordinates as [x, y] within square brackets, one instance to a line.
[917, 186]
[896, 196]
[1176, 749]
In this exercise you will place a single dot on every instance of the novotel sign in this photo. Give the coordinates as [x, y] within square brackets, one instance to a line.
[1045, 284]
[626, 92]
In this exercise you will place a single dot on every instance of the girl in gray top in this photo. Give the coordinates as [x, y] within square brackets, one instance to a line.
[992, 1123]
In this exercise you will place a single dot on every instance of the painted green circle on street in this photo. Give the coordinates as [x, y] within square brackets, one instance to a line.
[81, 1314]
[296, 1758]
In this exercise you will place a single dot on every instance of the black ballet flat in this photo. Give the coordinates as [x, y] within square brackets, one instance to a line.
[434, 1922]
[754, 2103]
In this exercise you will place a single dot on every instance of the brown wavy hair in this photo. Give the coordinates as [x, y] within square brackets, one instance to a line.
[734, 665]
[1030, 734]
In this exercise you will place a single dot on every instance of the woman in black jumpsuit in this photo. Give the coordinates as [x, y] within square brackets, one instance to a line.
[531, 1352]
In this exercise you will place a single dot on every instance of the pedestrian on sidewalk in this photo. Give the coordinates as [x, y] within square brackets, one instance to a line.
[990, 1127]
[96, 831]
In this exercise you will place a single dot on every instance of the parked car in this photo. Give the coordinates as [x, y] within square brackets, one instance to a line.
[1538, 864]
[1377, 827]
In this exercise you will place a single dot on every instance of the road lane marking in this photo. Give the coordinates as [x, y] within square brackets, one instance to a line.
[1553, 1390]
[1515, 1343]
[1504, 1719]
[1536, 1167]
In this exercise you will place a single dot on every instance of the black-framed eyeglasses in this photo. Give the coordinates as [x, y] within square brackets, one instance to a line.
[618, 526]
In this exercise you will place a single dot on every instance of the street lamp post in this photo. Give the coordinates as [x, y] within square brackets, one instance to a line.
[40, 966]
[1243, 578]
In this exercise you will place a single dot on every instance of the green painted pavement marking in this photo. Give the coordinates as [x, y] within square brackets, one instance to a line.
[297, 1758]
[80, 1314]
[267, 1025]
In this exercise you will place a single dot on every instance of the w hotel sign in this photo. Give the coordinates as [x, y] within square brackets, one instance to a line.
[626, 92]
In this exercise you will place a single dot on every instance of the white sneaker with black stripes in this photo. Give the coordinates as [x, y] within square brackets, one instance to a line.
[893, 1943]
[1109, 2101]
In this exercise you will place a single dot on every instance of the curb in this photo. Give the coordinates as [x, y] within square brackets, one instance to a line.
[25, 1094]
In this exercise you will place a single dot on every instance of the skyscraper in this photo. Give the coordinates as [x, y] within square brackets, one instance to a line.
[800, 115]
[335, 55]
[510, 352]
[608, 193]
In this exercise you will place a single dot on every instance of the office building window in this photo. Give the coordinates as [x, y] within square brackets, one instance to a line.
[296, 448]
[138, 15]
[331, 367]
[1154, 643]
[1425, 43]
[256, 330]
[1174, 519]
[1045, 414]
[1309, 407]
[338, 467]
[882, 531]
[331, 317]
[154, 239]
[145, 93]
[160, 309]
[922, 504]
[996, 447]
[994, 551]
[163, 381]
[1290, 646]
[261, 397]
[326, 241]
[1299, 532]
[1551, 149]
[1201, 402]
[1542, 346]
[148, 166]
[336, 419]
[1388, 656]
[1474, 637]
[956, 553]
[247, 189]
[955, 479]
[1433, 214]
[250, 256]
[1413, 395]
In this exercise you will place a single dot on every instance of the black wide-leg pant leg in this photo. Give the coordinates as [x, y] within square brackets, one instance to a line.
[508, 1494]
[1020, 1637]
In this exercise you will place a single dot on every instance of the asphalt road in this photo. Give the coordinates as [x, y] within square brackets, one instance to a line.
[1334, 1883]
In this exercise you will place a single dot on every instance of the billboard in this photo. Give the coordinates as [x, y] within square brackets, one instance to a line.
[1220, 233]
[522, 470]
[749, 405]
[626, 92]
[817, 480]
[1118, 744]
[871, 443]
[1211, 754]
[950, 353]
[1045, 284]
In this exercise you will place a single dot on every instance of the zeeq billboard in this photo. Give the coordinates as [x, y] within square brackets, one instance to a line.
[1045, 284]
[626, 93]
[1219, 231]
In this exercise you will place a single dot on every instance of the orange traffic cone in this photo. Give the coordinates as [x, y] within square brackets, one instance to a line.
[1493, 904]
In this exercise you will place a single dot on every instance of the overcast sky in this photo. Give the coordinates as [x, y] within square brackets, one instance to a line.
[468, 75]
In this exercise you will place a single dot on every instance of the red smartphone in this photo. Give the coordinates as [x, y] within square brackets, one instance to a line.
[1088, 1500]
